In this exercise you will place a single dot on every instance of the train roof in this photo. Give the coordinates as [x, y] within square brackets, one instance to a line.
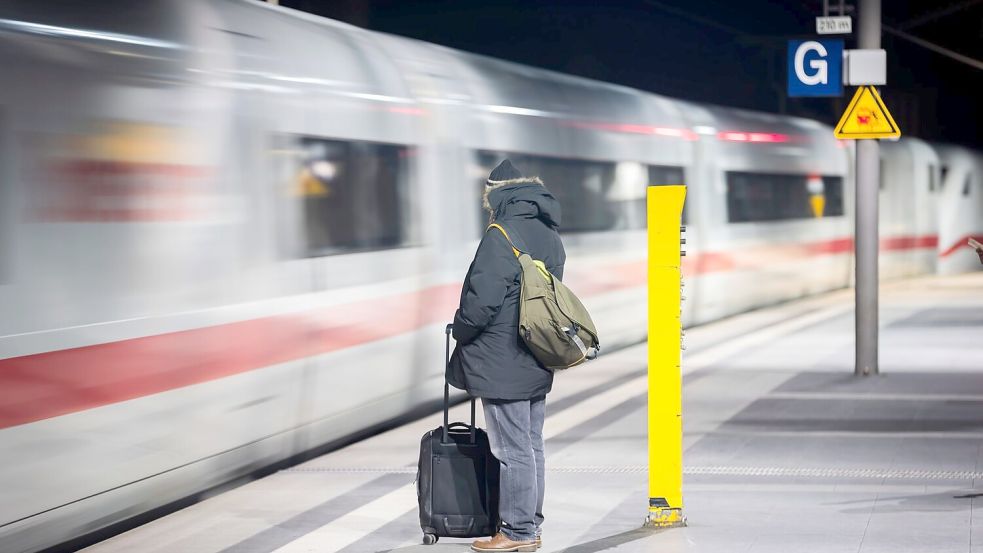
[504, 67]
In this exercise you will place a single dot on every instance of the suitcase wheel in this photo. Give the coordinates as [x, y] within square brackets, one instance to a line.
[429, 539]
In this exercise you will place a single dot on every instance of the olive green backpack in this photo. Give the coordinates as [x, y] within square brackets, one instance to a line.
[553, 323]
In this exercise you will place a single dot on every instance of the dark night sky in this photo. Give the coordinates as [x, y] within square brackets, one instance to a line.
[726, 52]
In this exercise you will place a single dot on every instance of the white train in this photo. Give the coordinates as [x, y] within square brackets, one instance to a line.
[230, 233]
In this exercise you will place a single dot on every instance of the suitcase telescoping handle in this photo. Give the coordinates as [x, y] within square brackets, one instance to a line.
[447, 389]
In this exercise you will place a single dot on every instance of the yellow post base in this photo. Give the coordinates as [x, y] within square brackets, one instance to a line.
[665, 517]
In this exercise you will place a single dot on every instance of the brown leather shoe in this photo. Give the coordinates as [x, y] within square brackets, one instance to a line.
[501, 542]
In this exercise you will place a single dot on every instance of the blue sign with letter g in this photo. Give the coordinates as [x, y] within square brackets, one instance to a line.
[815, 67]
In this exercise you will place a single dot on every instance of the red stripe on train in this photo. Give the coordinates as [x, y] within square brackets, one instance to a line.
[961, 243]
[896, 243]
[45, 385]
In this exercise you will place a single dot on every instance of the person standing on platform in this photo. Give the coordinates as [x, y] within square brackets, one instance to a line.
[492, 363]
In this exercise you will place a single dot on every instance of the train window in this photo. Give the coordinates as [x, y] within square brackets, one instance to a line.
[662, 174]
[966, 184]
[776, 197]
[594, 195]
[578, 185]
[943, 171]
[352, 192]
[931, 178]
[833, 192]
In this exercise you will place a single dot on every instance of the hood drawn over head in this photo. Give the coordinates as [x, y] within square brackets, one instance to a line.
[524, 198]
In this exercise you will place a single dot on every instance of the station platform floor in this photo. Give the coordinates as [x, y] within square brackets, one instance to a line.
[785, 450]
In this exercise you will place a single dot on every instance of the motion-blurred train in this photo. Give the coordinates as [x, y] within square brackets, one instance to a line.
[230, 233]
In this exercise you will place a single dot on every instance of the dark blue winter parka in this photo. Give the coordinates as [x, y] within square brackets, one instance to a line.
[490, 360]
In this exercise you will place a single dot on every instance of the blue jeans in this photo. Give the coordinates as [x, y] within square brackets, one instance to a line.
[515, 431]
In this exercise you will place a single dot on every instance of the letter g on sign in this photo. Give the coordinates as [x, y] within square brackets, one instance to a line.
[815, 67]
[820, 75]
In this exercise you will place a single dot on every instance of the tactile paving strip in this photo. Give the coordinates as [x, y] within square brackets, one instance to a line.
[764, 472]
[835, 473]
[412, 470]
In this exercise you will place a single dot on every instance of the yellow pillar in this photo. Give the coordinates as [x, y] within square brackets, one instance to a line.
[665, 208]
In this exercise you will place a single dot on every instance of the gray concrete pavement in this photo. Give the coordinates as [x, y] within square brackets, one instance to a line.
[785, 450]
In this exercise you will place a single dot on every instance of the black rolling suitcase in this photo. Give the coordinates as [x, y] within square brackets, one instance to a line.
[457, 479]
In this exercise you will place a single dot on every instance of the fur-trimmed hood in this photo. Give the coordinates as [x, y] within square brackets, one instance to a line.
[491, 185]
[525, 197]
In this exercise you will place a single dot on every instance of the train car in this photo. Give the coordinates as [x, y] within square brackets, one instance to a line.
[909, 208]
[230, 233]
[772, 205]
[961, 202]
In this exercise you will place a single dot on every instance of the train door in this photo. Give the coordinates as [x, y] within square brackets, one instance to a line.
[907, 209]
[925, 198]
[444, 196]
[343, 154]
[704, 220]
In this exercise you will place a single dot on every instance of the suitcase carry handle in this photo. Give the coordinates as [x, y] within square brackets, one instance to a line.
[462, 425]
[447, 390]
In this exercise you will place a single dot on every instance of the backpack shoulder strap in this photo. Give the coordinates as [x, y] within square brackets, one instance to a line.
[499, 227]
[518, 253]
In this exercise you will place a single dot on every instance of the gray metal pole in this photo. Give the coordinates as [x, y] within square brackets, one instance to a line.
[870, 24]
[866, 231]
[868, 166]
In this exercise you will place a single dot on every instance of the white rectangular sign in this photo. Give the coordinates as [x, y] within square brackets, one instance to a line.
[865, 67]
[834, 25]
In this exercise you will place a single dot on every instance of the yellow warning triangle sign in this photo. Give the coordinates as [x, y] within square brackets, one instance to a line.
[866, 117]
